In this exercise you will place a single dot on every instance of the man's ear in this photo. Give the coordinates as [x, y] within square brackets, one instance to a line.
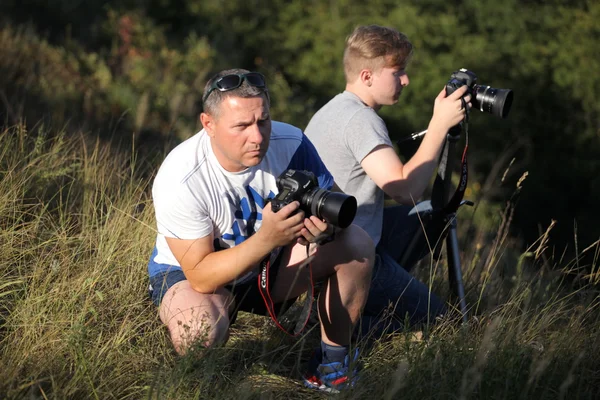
[208, 123]
[366, 77]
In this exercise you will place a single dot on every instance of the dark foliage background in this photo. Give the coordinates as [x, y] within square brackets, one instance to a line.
[135, 69]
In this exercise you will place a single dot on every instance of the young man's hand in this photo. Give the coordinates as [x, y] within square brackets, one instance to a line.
[282, 227]
[448, 111]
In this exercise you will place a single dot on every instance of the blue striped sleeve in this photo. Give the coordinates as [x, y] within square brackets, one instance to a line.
[306, 158]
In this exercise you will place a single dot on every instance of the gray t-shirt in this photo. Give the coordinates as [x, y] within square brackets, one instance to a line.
[344, 132]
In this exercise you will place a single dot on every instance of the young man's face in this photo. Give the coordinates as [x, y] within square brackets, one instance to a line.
[387, 85]
[241, 132]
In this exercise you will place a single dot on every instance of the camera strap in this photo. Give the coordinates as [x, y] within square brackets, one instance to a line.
[454, 202]
[438, 186]
[263, 287]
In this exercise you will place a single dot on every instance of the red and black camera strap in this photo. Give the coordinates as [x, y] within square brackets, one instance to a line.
[264, 288]
[456, 199]
[438, 192]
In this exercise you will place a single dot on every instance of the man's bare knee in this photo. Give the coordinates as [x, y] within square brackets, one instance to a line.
[355, 241]
[196, 318]
[199, 333]
[351, 253]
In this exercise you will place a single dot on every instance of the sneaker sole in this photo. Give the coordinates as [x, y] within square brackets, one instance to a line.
[321, 387]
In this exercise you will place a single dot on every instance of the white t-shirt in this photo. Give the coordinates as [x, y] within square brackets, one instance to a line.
[194, 196]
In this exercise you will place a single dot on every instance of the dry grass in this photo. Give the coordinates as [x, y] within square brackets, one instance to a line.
[75, 320]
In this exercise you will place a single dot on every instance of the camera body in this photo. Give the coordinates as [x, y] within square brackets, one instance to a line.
[337, 209]
[484, 98]
[293, 185]
[461, 78]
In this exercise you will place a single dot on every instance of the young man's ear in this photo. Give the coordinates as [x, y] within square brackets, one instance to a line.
[208, 123]
[366, 77]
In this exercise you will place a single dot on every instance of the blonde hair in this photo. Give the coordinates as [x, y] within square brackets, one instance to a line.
[373, 47]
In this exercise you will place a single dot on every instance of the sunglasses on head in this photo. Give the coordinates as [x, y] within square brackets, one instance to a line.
[234, 81]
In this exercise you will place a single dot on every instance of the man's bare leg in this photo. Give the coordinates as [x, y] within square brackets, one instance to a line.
[345, 264]
[192, 316]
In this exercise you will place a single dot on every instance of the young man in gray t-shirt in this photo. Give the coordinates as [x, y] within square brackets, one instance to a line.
[354, 144]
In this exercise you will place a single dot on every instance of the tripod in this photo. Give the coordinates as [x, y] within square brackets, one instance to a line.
[443, 216]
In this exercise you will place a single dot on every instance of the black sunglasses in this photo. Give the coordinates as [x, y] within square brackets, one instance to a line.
[234, 81]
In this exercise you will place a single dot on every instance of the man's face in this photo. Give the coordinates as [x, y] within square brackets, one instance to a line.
[241, 132]
[387, 85]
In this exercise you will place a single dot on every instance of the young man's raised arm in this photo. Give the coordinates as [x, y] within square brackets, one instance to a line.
[406, 183]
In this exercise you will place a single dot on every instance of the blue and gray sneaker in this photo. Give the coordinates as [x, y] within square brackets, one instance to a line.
[331, 377]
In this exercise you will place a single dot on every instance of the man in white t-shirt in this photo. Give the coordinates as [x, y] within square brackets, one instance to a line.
[216, 229]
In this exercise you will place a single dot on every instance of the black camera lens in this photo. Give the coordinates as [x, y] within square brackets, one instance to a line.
[493, 101]
[483, 98]
[336, 208]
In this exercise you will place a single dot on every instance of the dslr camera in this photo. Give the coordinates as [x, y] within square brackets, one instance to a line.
[338, 209]
[484, 98]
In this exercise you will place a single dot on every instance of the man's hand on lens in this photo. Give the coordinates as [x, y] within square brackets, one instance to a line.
[282, 227]
[315, 231]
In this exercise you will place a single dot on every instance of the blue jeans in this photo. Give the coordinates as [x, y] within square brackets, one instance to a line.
[395, 295]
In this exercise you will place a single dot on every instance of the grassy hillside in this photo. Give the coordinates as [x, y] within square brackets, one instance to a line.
[76, 231]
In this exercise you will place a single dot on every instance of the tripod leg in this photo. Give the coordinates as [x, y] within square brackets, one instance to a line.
[454, 268]
[410, 248]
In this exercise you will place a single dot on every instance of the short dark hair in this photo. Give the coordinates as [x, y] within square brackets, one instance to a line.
[210, 105]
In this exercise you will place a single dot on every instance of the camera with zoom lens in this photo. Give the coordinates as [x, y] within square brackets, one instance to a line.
[338, 209]
[484, 98]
